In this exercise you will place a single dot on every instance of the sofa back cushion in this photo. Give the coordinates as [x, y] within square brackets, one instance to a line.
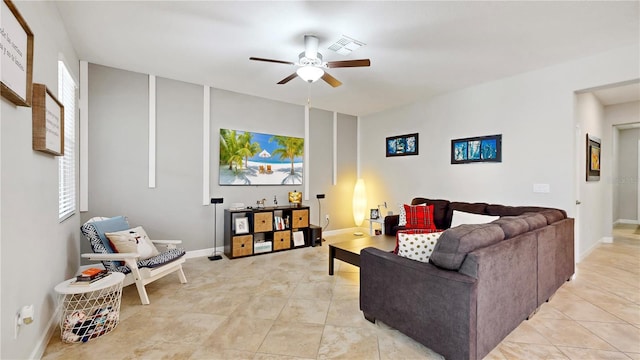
[503, 210]
[474, 208]
[512, 226]
[455, 243]
[440, 209]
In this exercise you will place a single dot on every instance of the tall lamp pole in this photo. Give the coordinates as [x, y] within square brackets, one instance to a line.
[215, 202]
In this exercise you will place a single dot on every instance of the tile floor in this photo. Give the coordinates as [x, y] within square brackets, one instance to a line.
[285, 306]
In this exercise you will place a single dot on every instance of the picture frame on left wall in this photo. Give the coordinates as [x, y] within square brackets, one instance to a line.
[17, 49]
[47, 121]
[593, 158]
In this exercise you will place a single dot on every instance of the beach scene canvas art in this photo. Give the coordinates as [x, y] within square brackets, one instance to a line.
[250, 158]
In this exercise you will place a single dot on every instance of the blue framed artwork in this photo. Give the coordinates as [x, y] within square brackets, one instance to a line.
[402, 145]
[476, 149]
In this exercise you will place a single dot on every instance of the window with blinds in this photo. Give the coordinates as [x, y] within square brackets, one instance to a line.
[66, 163]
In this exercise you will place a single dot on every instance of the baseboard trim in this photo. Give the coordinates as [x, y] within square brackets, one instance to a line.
[626, 221]
[603, 240]
[607, 240]
[346, 231]
[203, 252]
[41, 346]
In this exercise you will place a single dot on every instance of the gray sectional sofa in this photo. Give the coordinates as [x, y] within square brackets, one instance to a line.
[480, 283]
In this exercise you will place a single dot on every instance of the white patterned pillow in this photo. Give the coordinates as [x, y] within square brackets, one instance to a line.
[402, 215]
[417, 246]
[133, 241]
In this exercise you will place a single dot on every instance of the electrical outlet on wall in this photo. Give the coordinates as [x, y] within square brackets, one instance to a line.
[326, 217]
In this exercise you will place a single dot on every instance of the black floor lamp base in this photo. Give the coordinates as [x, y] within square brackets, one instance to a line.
[215, 257]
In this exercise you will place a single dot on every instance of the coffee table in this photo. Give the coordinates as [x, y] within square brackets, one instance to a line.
[349, 251]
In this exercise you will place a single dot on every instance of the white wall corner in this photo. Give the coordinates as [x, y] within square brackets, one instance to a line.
[84, 136]
[206, 145]
[334, 180]
[307, 164]
[152, 131]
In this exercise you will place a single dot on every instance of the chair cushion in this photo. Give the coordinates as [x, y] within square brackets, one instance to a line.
[153, 262]
[113, 224]
[132, 240]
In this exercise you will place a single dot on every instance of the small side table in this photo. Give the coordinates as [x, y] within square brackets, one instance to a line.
[378, 221]
[89, 311]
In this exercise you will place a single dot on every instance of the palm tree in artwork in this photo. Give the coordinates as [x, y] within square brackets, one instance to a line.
[229, 147]
[288, 148]
[247, 148]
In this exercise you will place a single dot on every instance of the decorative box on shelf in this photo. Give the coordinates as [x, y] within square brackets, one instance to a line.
[265, 230]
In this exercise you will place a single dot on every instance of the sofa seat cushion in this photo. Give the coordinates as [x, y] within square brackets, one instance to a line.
[455, 243]
[417, 244]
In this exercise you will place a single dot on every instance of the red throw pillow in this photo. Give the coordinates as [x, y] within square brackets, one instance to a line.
[419, 217]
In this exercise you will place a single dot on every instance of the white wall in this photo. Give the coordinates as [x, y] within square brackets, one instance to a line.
[590, 118]
[627, 176]
[621, 114]
[38, 252]
[535, 113]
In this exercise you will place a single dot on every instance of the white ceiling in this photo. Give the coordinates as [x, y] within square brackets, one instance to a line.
[417, 49]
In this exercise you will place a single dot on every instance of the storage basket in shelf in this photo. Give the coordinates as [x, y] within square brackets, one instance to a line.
[88, 315]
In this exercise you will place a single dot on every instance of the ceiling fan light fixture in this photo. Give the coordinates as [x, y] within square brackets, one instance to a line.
[310, 73]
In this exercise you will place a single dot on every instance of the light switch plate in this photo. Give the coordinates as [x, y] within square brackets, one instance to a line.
[541, 188]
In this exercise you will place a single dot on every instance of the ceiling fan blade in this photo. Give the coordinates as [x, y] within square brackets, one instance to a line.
[348, 63]
[272, 60]
[288, 78]
[331, 80]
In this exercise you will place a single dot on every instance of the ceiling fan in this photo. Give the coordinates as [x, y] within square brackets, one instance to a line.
[311, 67]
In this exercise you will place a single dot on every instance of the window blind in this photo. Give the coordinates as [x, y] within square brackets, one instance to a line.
[66, 163]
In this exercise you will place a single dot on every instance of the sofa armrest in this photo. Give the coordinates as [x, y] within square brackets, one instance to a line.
[390, 223]
[433, 306]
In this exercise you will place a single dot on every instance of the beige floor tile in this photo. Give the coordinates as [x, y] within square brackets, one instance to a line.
[584, 310]
[346, 292]
[346, 313]
[305, 311]
[239, 333]
[228, 307]
[568, 333]
[526, 333]
[293, 339]
[624, 337]
[261, 307]
[515, 351]
[260, 356]
[313, 290]
[590, 354]
[348, 343]
[395, 345]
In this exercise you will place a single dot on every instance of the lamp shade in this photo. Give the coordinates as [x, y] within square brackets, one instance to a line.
[359, 202]
[310, 73]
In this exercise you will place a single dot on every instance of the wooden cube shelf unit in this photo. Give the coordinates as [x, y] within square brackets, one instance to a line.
[261, 231]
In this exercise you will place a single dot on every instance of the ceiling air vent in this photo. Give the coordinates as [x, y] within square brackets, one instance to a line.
[345, 45]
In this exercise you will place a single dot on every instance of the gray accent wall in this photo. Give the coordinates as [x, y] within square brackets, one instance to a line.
[118, 155]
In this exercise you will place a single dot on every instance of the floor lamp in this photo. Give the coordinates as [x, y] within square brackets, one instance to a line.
[215, 202]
